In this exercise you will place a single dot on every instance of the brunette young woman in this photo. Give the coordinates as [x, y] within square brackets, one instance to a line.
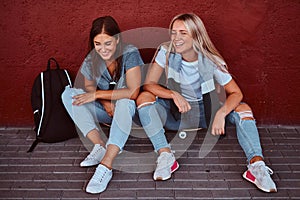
[112, 80]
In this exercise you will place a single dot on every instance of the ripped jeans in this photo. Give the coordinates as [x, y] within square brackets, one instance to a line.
[247, 134]
[87, 116]
[157, 116]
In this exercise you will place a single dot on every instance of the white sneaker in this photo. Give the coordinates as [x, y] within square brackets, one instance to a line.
[259, 174]
[94, 157]
[166, 165]
[100, 180]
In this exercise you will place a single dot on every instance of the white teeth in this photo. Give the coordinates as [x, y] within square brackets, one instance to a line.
[178, 44]
[105, 54]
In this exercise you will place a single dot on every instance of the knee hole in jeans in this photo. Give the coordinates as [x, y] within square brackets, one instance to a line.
[145, 104]
[244, 111]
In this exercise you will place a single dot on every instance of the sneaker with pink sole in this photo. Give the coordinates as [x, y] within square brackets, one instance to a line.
[259, 174]
[166, 165]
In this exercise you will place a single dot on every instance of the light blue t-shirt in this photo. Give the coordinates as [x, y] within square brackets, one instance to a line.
[131, 58]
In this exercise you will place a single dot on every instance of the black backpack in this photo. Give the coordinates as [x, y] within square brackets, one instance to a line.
[52, 121]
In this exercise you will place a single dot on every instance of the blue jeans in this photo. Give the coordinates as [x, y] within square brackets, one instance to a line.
[247, 135]
[158, 115]
[87, 116]
[161, 114]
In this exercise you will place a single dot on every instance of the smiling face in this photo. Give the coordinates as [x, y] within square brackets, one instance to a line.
[105, 46]
[183, 41]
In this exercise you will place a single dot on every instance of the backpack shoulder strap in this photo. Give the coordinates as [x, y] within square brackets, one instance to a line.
[43, 104]
[34, 144]
[69, 79]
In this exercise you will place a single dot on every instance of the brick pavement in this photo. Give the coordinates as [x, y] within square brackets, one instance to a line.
[52, 171]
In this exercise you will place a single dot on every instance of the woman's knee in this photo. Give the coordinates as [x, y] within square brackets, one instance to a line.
[145, 98]
[123, 104]
[244, 111]
[66, 96]
[69, 92]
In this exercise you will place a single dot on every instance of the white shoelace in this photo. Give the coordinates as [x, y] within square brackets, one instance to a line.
[99, 174]
[264, 170]
[269, 170]
[92, 155]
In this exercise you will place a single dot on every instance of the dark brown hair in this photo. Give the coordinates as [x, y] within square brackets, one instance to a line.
[109, 26]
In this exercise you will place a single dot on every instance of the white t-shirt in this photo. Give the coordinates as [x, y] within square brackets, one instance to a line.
[190, 77]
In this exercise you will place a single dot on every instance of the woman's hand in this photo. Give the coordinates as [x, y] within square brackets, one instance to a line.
[84, 98]
[181, 103]
[218, 126]
[234, 97]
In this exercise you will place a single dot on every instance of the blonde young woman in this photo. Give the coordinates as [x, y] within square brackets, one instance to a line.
[192, 64]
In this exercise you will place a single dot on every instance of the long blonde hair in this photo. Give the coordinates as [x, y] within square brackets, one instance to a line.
[202, 42]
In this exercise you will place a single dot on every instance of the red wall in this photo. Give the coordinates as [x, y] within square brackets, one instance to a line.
[259, 40]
